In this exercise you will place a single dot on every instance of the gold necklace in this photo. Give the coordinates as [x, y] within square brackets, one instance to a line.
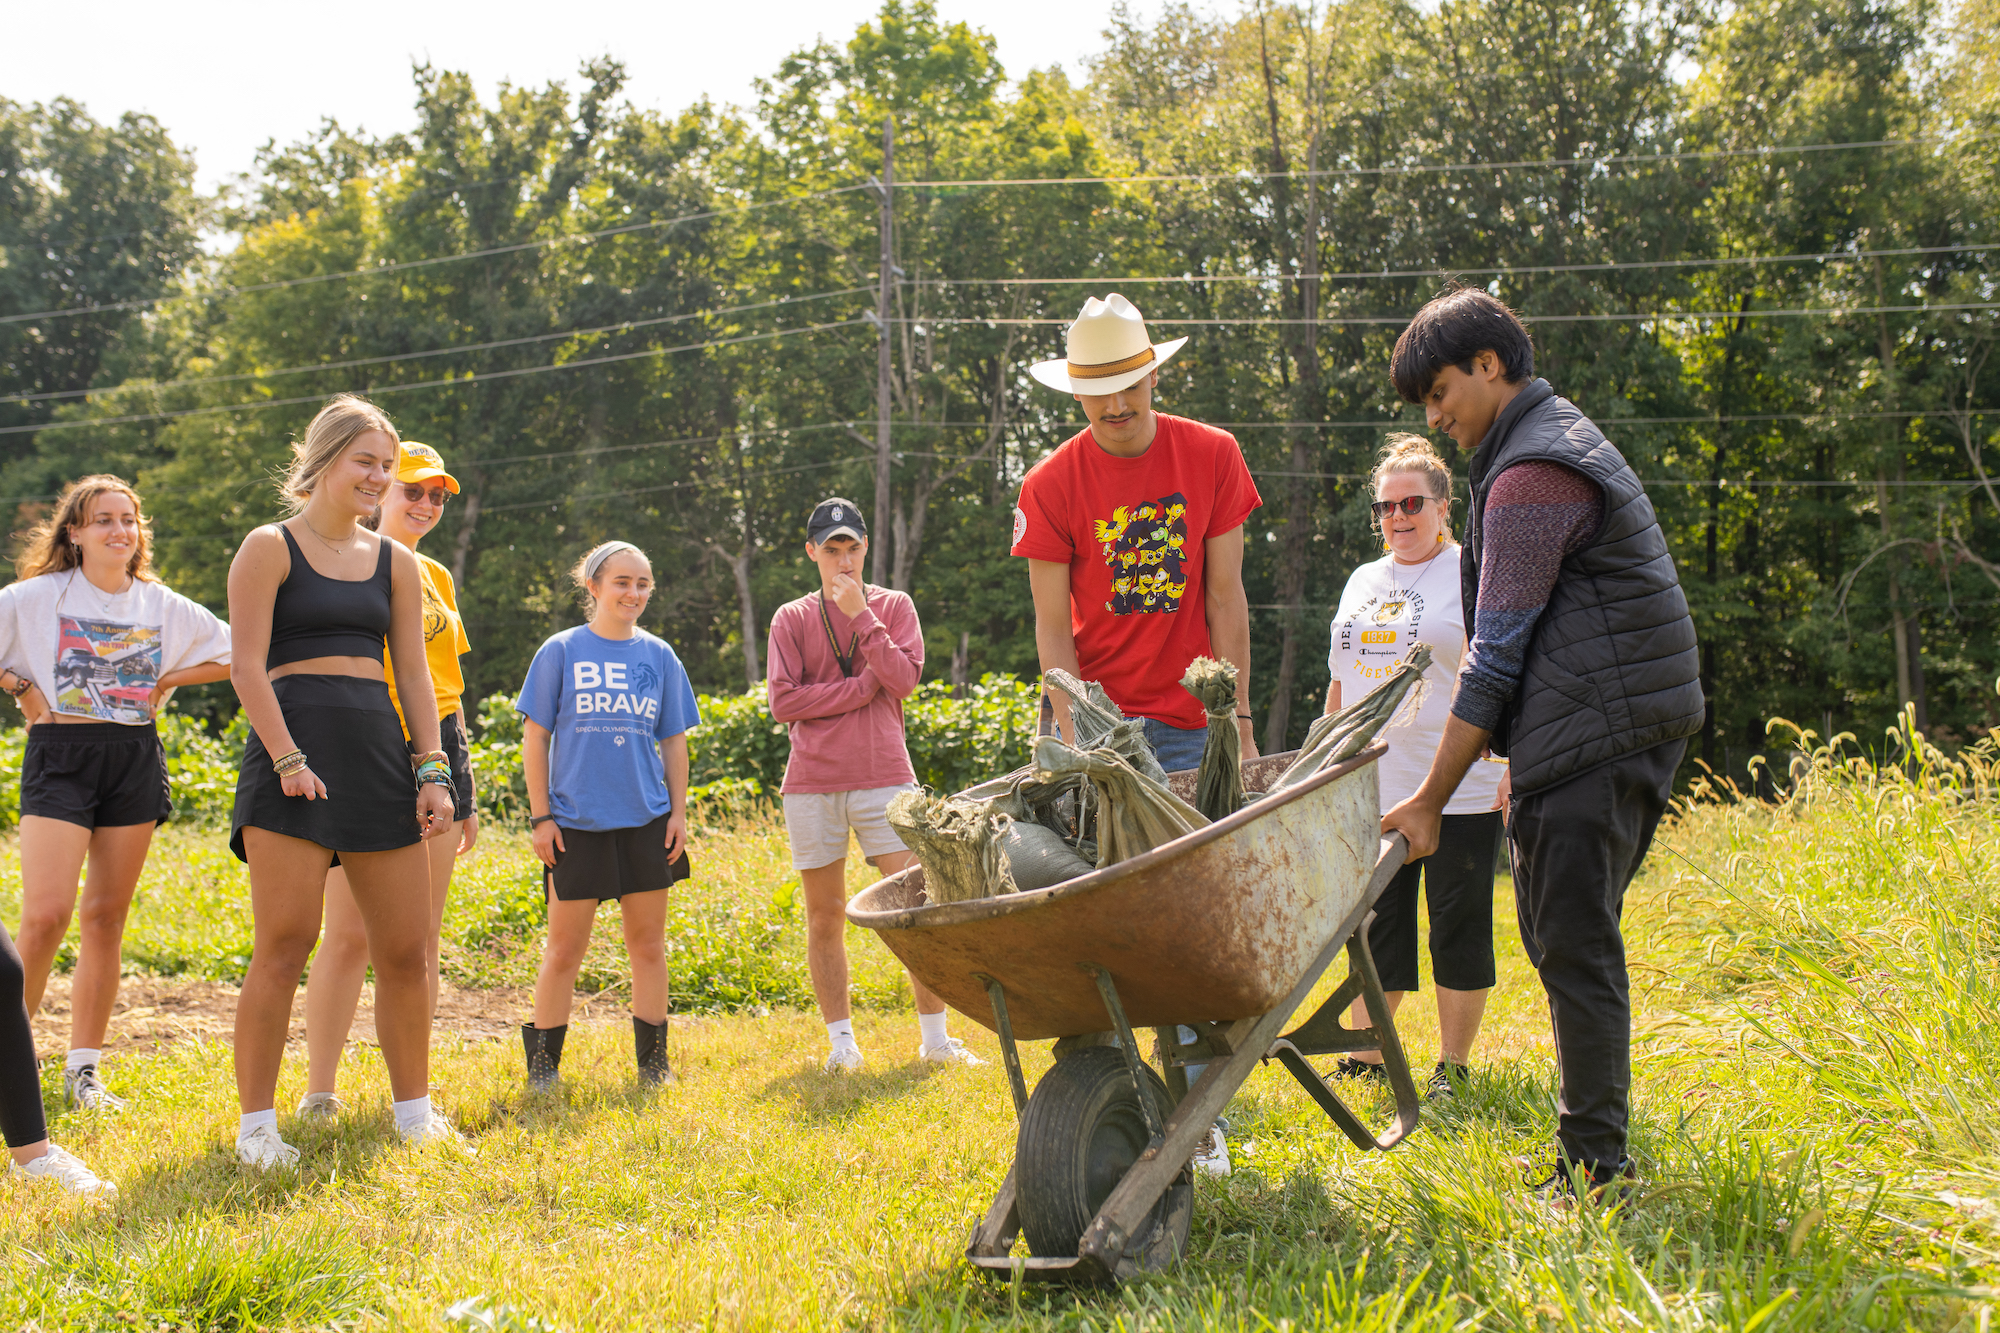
[337, 550]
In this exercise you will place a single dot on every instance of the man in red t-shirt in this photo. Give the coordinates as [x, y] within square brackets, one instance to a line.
[1133, 531]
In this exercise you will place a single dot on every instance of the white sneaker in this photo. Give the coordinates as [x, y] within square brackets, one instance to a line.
[843, 1059]
[1212, 1158]
[83, 1089]
[263, 1149]
[953, 1052]
[67, 1171]
[437, 1129]
[321, 1106]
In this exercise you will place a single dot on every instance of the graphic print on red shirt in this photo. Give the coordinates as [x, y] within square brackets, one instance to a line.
[1131, 531]
[1146, 549]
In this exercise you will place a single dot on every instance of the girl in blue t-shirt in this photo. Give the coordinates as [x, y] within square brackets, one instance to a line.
[608, 707]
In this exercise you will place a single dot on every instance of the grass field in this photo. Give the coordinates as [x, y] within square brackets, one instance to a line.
[1816, 1114]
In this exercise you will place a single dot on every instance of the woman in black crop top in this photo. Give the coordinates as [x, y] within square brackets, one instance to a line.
[327, 772]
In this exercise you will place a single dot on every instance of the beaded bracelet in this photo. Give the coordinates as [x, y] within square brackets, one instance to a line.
[21, 689]
[435, 780]
[288, 764]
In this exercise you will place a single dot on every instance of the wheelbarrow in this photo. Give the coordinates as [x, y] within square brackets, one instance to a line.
[1224, 931]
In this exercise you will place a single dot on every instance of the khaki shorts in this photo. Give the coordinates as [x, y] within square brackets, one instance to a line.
[818, 823]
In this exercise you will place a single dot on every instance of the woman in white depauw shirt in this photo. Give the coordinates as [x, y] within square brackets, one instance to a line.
[1411, 596]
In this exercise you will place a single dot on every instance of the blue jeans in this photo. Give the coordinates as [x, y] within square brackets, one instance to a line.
[1178, 748]
[1175, 747]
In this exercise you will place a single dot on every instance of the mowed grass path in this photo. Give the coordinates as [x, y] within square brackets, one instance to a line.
[1815, 1110]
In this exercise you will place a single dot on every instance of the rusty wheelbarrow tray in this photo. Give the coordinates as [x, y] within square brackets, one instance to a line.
[1226, 931]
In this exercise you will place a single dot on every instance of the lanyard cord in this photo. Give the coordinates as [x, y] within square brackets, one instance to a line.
[847, 661]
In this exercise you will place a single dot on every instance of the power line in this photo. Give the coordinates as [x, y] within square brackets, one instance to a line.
[1423, 168]
[1015, 182]
[969, 282]
[621, 327]
[384, 389]
[1723, 483]
[399, 266]
[1635, 317]
[1193, 279]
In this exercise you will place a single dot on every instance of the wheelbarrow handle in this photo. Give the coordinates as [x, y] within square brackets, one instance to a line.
[1393, 856]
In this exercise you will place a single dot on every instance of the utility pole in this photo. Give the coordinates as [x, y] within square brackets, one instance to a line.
[886, 191]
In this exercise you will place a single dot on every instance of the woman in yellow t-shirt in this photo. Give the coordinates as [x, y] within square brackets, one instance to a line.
[410, 508]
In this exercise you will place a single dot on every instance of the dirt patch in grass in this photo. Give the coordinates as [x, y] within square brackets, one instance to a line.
[158, 1011]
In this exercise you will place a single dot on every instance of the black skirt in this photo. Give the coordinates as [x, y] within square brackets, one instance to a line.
[614, 863]
[354, 742]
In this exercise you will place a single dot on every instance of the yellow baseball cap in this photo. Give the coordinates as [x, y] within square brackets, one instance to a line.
[421, 463]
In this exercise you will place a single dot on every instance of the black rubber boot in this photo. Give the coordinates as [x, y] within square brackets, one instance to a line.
[543, 1047]
[649, 1046]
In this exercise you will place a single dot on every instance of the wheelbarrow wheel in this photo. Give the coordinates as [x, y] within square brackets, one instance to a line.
[1082, 1131]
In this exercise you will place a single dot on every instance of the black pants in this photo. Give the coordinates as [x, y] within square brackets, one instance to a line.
[1458, 890]
[21, 1119]
[1575, 848]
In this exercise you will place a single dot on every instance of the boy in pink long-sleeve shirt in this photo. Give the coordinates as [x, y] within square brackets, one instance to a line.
[841, 662]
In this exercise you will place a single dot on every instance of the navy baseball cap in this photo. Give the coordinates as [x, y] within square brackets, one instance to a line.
[836, 517]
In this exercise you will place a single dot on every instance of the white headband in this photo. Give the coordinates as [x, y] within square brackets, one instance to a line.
[595, 560]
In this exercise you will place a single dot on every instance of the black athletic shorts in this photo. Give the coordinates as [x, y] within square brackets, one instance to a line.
[97, 774]
[614, 863]
[451, 739]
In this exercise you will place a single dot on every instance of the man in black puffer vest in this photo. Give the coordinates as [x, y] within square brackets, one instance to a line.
[1581, 671]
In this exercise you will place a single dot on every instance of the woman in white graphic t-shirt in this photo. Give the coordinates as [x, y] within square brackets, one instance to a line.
[92, 645]
[1411, 596]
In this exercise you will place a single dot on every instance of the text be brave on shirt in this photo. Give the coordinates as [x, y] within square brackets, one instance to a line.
[618, 693]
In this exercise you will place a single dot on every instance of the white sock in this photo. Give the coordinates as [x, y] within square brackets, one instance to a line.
[252, 1119]
[411, 1115]
[82, 1056]
[840, 1033]
[932, 1026]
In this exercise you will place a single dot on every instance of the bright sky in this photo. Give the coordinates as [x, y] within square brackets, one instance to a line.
[225, 76]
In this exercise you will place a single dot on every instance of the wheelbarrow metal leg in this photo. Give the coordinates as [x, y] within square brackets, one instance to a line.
[996, 1232]
[1009, 1052]
[1130, 1045]
[1131, 1202]
[1325, 1033]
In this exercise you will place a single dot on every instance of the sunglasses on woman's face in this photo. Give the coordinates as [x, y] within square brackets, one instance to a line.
[416, 495]
[1409, 504]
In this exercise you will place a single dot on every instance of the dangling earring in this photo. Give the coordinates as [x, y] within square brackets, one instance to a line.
[1440, 536]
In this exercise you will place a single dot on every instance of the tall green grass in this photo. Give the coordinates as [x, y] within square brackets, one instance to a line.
[1813, 1106]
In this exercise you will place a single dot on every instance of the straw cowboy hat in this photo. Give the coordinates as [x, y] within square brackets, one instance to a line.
[1109, 350]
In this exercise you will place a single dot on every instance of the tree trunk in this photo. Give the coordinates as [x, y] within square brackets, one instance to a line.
[1904, 631]
[468, 523]
[1304, 349]
[746, 602]
[961, 658]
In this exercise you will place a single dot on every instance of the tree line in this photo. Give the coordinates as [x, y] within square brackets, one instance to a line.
[1755, 241]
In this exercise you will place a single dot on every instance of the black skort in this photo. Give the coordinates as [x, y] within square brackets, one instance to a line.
[354, 742]
[614, 863]
[96, 774]
[451, 739]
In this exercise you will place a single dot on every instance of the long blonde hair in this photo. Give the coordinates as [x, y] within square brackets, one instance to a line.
[1404, 452]
[49, 549]
[345, 417]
